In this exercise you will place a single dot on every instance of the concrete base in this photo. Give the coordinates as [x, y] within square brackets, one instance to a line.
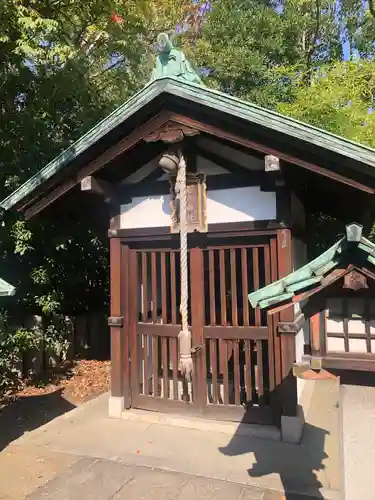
[115, 406]
[292, 427]
[231, 428]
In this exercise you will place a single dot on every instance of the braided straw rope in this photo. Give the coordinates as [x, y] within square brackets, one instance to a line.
[184, 337]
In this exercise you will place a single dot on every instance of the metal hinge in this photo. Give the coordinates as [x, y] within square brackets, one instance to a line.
[196, 349]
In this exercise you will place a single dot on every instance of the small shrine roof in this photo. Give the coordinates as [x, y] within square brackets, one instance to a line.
[313, 273]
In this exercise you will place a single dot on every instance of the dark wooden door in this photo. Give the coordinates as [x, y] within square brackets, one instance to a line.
[230, 341]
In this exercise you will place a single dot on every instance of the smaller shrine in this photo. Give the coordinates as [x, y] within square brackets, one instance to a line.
[334, 298]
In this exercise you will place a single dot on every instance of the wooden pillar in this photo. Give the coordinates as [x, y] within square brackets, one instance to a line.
[288, 388]
[315, 334]
[197, 326]
[116, 323]
[126, 284]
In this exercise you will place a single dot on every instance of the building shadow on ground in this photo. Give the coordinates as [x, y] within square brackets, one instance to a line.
[297, 465]
[25, 414]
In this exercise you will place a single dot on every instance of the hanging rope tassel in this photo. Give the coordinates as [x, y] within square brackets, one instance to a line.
[184, 337]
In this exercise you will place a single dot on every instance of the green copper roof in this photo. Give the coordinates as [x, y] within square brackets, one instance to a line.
[195, 93]
[6, 289]
[313, 272]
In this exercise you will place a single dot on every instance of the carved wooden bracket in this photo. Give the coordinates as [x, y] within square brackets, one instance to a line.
[355, 280]
[292, 327]
[171, 132]
[98, 187]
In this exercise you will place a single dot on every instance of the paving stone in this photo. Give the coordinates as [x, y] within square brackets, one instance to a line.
[151, 484]
[198, 488]
[94, 480]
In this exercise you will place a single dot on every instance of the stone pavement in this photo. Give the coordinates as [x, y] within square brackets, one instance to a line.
[97, 479]
[139, 458]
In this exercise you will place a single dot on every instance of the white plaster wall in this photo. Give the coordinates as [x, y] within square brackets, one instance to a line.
[224, 205]
[356, 326]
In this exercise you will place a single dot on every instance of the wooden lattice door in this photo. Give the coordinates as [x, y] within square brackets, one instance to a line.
[230, 341]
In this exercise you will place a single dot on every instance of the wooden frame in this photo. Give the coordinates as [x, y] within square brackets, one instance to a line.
[225, 338]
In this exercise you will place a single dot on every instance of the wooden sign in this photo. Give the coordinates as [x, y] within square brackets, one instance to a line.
[196, 201]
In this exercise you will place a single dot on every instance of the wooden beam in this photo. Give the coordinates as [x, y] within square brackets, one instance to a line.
[292, 326]
[121, 147]
[350, 362]
[228, 136]
[232, 167]
[271, 163]
[97, 186]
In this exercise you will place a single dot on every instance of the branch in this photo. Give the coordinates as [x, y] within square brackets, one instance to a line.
[108, 68]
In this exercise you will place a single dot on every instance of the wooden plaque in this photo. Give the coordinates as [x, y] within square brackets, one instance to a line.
[196, 202]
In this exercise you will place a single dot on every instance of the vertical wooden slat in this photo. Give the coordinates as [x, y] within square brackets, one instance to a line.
[133, 318]
[155, 365]
[256, 282]
[236, 368]
[155, 339]
[367, 318]
[258, 343]
[223, 292]
[267, 265]
[146, 376]
[144, 288]
[274, 353]
[233, 286]
[164, 314]
[164, 354]
[260, 368]
[153, 287]
[173, 288]
[211, 267]
[224, 347]
[346, 323]
[174, 357]
[245, 287]
[213, 361]
[248, 384]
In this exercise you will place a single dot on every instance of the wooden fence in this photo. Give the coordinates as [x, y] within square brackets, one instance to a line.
[86, 336]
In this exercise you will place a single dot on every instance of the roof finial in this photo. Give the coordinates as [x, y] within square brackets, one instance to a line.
[353, 232]
[172, 62]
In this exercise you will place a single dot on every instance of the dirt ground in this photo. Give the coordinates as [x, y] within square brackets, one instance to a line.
[39, 402]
